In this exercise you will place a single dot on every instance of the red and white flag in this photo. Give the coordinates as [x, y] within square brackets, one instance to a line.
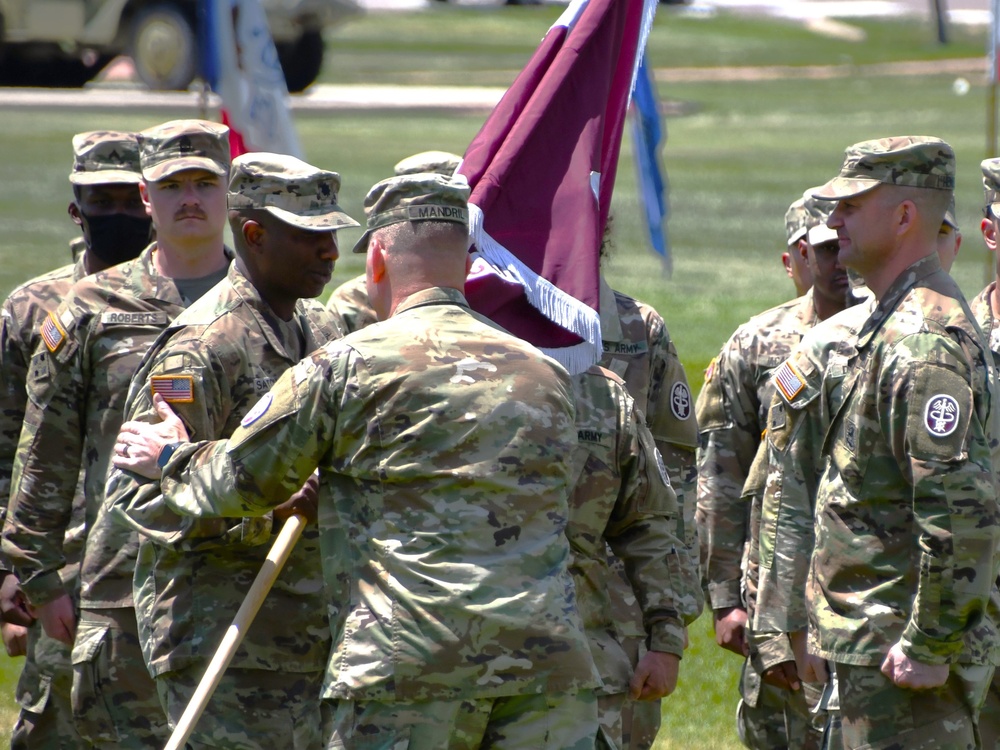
[241, 66]
[542, 170]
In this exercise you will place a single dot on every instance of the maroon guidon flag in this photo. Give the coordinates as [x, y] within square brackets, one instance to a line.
[542, 170]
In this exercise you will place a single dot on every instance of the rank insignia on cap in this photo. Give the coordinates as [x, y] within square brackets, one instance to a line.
[788, 380]
[941, 415]
[53, 334]
[259, 410]
[175, 389]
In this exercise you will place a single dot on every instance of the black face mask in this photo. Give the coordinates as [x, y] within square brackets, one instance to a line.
[116, 238]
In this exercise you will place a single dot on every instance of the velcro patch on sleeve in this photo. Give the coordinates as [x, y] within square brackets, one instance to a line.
[53, 333]
[940, 404]
[789, 381]
[175, 389]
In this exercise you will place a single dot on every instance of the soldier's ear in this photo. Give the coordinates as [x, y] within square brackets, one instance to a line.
[786, 260]
[906, 215]
[989, 233]
[74, 213]
[253, 233]
[376, 258]
[144, 195]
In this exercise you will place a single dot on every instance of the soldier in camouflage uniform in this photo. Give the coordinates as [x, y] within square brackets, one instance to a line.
[794, 461]
[349, 302]
[986, 308]
[106, 204]
[796, 256]
[638, 348]
[212, 364]
[622, 498]
[90, 348]
[441, 442]
[906, 510]
[732, 413]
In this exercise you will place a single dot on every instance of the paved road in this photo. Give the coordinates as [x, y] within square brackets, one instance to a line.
[959, 11]
[319, 98]
[324, 97]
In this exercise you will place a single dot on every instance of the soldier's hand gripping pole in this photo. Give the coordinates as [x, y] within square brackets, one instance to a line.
[276, 558]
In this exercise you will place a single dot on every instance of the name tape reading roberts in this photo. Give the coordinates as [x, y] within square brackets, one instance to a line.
[134, 318]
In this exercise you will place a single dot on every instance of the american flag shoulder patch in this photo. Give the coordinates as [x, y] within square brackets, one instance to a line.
[53, 334]
[789, 381]
[175, 389]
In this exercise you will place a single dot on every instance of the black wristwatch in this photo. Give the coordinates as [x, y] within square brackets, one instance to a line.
[165, 453]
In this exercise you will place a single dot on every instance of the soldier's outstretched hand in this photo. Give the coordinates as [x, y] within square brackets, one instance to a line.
[139, 443]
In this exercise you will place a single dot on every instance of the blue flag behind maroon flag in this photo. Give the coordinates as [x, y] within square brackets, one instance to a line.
[542, 170]
[240, 64]
[647, 137]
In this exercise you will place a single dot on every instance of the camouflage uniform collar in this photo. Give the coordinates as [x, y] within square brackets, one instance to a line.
[162, 287]
[436, 295]
[611, 322]
[982, 311]
[261, 311]
[807, 309]
[79, 269]
[923, 268]
[77, 246]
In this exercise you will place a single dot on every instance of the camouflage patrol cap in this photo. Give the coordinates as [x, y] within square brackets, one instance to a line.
[909, 160]
[424, 196]
[184, 144]
[991, 183]
[442, 162]
[949, 215]
[104, 157]
[289, 189]
[818, 212]
[796, 218]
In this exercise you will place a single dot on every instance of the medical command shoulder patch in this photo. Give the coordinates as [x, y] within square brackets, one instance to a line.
[941, 415]
[680, 400]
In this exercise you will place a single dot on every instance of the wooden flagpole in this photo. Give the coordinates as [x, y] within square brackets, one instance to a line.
[276, 558]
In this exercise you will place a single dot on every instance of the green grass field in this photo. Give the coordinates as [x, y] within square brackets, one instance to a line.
[742, 154]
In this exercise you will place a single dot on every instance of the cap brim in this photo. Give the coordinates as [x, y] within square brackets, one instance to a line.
[327, 221]
[361, 246]
[821, 233]
[173, 166]
[106, 177]
[797, 235]
[840, 188]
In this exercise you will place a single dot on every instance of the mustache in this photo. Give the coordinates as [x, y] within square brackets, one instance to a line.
[189, 213]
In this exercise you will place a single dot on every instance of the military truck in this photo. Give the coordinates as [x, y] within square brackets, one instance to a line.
[67, 42]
